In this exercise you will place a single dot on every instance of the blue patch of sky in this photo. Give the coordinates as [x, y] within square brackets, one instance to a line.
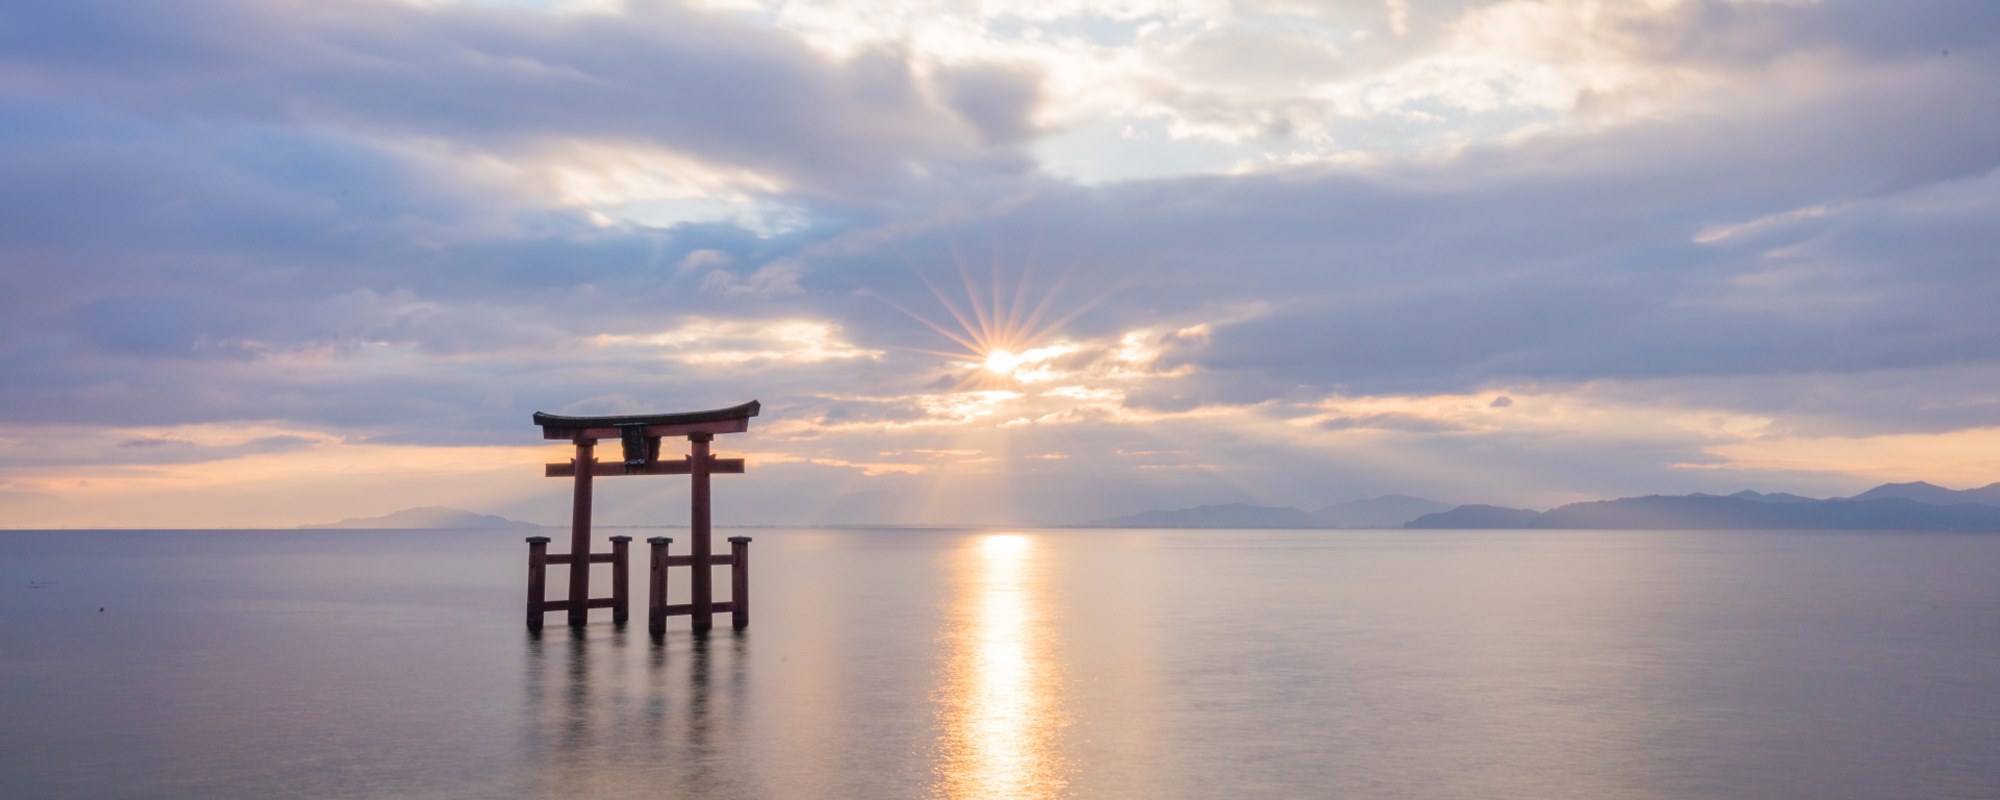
[28, 121]
[766, 218]
[310, 160]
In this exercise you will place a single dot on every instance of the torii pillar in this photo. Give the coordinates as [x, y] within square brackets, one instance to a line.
[640, 436]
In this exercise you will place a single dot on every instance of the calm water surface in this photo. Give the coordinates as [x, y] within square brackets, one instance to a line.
[1015, 664]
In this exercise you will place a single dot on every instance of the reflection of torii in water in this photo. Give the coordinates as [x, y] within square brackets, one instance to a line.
[640, 436]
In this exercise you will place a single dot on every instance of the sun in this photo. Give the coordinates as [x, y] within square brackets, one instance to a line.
[1007, 337]
[1002, 362]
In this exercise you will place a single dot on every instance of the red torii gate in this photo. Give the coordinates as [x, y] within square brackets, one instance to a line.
[640, 436]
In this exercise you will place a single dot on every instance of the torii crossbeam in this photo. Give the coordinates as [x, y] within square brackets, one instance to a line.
[640, 435]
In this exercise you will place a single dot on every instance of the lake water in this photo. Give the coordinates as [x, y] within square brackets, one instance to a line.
[1014, 664]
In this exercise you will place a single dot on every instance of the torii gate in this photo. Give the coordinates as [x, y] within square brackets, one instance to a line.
[640, 436]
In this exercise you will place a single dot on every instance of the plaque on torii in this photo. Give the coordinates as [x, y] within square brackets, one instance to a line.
[639, 438]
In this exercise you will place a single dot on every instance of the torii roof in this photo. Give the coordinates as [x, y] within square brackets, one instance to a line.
[734, 419]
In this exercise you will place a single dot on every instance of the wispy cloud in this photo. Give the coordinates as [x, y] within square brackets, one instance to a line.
[1195, 252]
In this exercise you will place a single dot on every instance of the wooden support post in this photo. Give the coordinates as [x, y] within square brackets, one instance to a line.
[702, 593]
[621, 597]
[579, 536]
[739, 582]
[538, 570]
[656, 587]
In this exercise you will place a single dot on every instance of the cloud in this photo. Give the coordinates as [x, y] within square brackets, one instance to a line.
[501, 80]
[997, 101]
[1393, 422]
[705, 342]
[362, 229]
[150, 441]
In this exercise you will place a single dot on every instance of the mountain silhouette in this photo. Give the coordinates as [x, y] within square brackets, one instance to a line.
[1478, 516]
[1923, 492]
[1229, 515]
[426, 517]
[1387, 511]
[1878, 509]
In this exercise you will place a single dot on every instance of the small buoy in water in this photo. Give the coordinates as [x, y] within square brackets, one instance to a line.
[100, 609]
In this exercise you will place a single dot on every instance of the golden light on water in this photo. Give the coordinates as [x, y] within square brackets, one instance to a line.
[1000, 705]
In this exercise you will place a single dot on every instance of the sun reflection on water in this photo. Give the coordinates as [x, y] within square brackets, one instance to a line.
[1001, 705]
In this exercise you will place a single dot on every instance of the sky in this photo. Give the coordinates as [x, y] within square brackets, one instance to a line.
[272, 262]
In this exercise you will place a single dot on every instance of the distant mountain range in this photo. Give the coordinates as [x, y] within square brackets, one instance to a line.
[1477, 516]
[427, 517]
[1387, 511]
[1931, 493]
[1893, 506]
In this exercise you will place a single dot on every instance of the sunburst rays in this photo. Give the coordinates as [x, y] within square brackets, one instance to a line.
[1003, 328]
